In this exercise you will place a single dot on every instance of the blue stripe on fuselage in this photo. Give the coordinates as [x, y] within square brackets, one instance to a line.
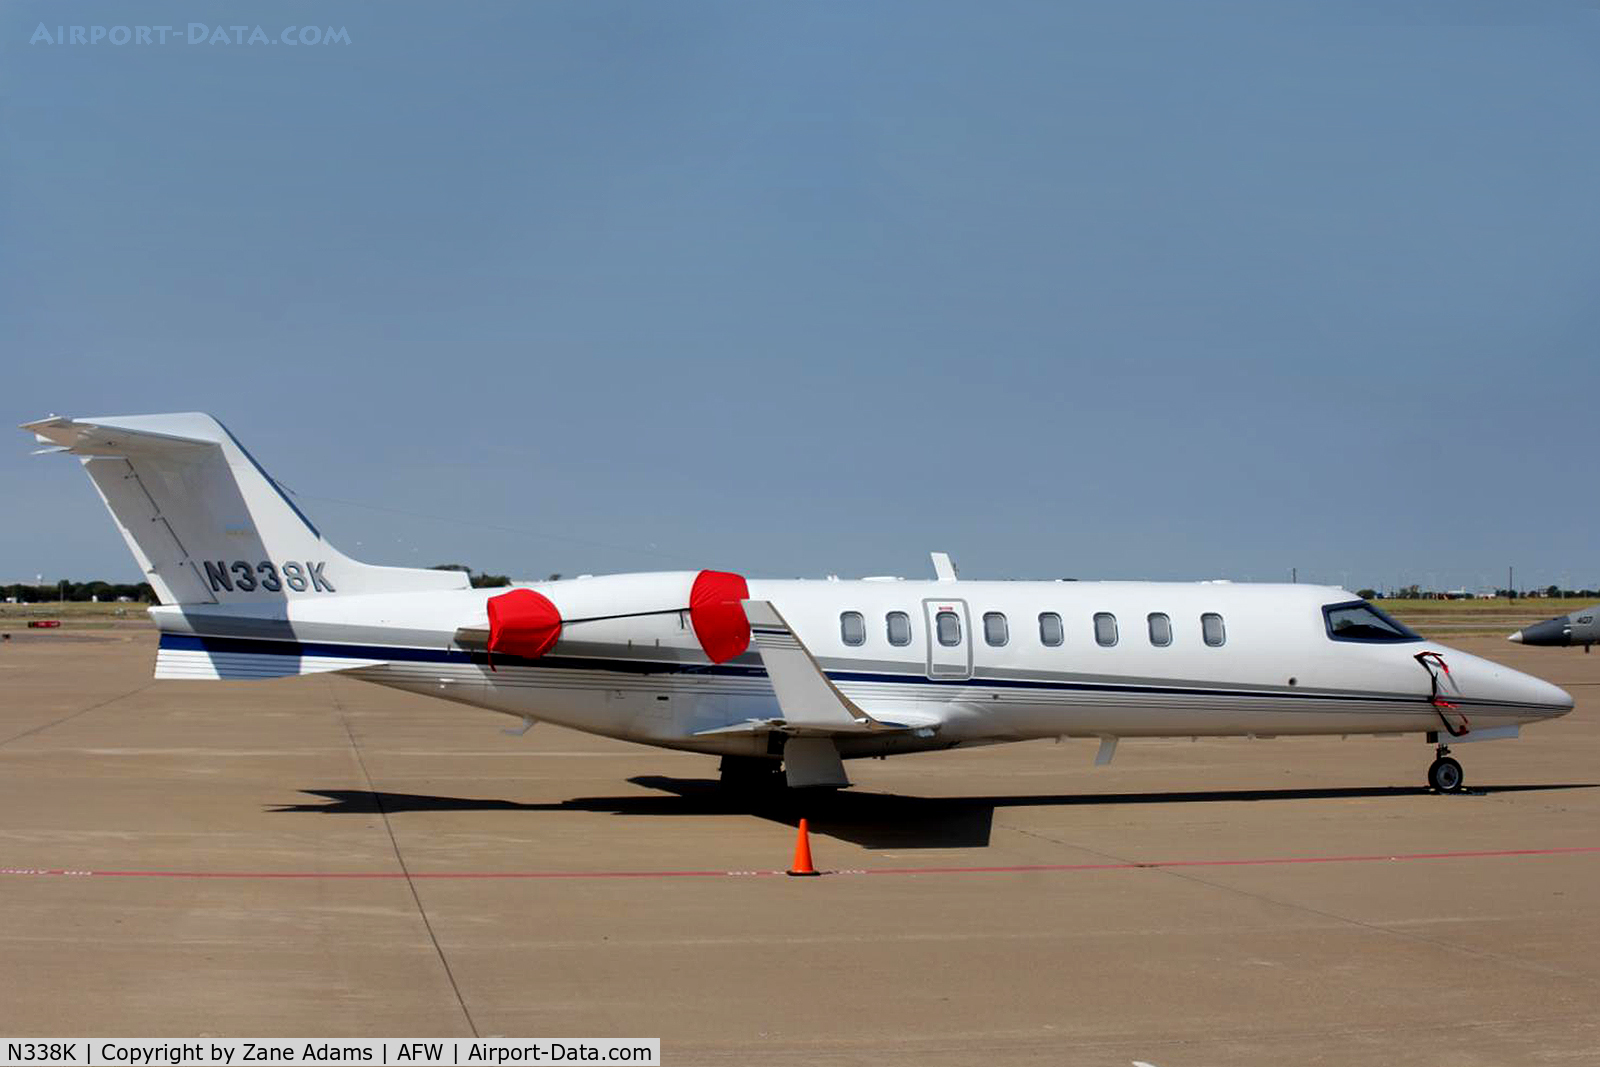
[396, 654]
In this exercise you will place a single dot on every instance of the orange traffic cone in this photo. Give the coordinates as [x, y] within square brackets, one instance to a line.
[802, 853]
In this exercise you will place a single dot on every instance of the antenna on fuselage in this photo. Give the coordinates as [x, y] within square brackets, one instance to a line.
[943, 569]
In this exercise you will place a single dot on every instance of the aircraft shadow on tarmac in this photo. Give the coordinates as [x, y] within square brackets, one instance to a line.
[871, 820]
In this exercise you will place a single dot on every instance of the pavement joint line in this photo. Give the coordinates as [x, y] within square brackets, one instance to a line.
[1334, 916]
[1030, 868]
[1387, 931]
[75, 714]
[405, 870]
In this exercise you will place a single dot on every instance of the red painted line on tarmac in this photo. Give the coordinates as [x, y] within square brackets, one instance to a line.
[1265, 861]
[359, 875]
[1010, 869]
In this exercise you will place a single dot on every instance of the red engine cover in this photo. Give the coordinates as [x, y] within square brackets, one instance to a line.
[522, 623]
[717, 616]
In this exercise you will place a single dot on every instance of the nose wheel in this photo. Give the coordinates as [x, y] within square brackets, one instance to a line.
[1444, 774]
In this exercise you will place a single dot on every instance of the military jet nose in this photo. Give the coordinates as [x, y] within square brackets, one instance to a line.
[1556, 631]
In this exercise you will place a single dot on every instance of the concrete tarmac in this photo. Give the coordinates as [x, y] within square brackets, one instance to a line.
[316, 857]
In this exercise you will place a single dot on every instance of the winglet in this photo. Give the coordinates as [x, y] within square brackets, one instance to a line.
[944, 569]
[809, 699]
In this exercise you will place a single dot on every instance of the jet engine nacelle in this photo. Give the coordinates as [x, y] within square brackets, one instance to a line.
[632, 610]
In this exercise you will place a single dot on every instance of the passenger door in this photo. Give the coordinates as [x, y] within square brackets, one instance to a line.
[949, 633]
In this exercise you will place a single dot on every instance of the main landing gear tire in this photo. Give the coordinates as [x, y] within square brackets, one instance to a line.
[1445, 775]
[745, 773]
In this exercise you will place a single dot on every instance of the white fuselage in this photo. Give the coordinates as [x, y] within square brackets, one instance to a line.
[628, 663]
[805, 671]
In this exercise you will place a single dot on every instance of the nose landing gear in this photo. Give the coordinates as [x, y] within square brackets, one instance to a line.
[1445, 774]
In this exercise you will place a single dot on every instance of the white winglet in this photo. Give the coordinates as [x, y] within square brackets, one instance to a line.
[809, 700]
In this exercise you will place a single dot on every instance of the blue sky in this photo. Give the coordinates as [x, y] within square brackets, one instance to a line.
[1167, 290]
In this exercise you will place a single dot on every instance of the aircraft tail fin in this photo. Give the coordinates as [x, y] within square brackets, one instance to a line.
[206, 523]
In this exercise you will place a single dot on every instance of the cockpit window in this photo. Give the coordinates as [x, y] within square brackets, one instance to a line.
[1360, 621]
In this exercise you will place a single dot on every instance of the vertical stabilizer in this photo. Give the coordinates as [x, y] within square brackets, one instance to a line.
[207, 524]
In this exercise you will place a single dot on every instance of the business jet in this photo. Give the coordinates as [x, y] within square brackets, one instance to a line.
[785, 678]
[1576, 628]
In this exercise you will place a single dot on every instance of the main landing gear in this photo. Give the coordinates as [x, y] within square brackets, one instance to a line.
[1444, 774]
[750, 773]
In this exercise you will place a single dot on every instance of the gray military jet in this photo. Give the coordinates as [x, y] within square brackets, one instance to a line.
[1578, 628]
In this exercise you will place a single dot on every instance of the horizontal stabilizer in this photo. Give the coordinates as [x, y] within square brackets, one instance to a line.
[116, 437]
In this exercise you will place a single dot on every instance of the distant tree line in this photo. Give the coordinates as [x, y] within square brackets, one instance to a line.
[1550, 591]
[1414, 592]
[479, 581]
[140, 592]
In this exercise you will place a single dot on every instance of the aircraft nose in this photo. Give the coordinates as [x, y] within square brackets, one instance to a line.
[1557, 699]
[1521, 695]
[1524, 690]
[1549, 632]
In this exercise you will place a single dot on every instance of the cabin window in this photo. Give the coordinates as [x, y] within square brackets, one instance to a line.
[1360, 621]
[1050, 631]
[948, 627]
[1105, 628]
[853, 628]
[1212, 630]
[899, 624]
[995, 631]
[1160, 630]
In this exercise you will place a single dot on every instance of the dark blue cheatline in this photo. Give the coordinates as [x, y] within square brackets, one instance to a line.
[259, 647]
